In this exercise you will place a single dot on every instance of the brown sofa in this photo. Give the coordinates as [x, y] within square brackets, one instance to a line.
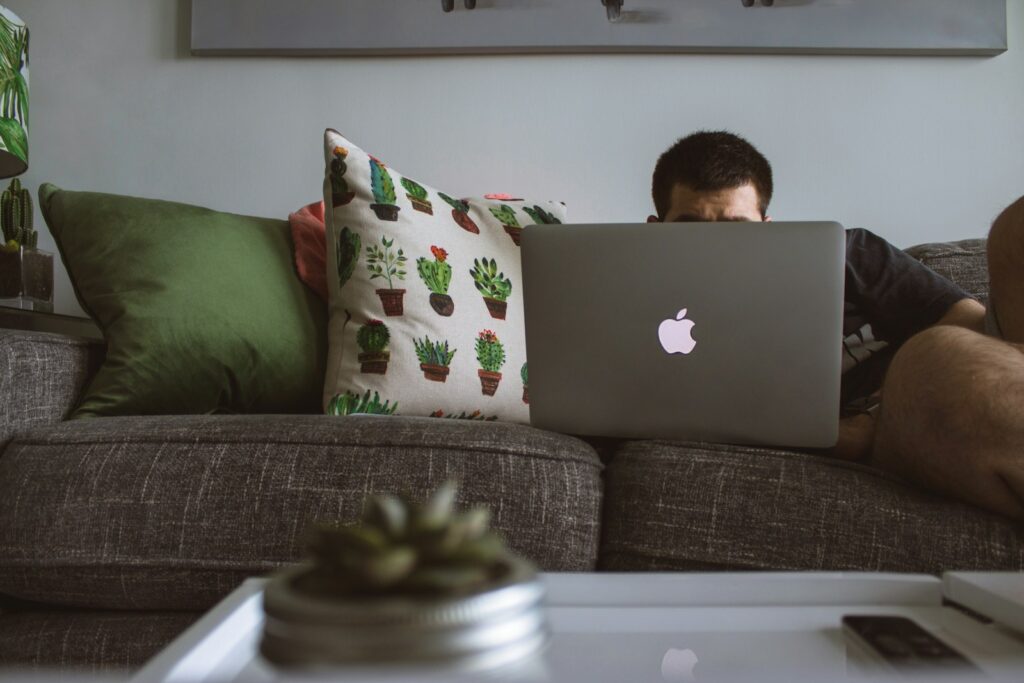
[116, 533]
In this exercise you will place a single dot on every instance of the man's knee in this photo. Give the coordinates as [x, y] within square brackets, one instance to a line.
[1006, 238]
[952, 417]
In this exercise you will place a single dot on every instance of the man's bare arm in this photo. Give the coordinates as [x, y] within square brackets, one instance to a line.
[965, 313]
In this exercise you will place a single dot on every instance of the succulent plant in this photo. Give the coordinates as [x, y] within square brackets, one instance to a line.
[476, 415]
[351, 403]
[381, 185]
[414, 189]
[403, 549]
[373, 337]
[339, 186]
[507, 215]
[384, 263]
[489, 281]
[348, 248]
[433, 353]
[456, 204]
[490, 352]
[16, 214]
[540, 216]
[436, 274]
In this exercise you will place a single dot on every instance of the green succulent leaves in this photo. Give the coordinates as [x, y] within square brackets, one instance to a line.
[401, 548]
[381, 184]
[373, 337]
[348, 248]
[507, 215]
[456, 204]
[433, 353]
[489, 281]
[414, 189]
[351, 403]
[385, 262]
[490, 352]
[436, 274]
[540, 216]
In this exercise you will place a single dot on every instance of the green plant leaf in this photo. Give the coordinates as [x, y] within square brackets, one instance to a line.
[14, 138]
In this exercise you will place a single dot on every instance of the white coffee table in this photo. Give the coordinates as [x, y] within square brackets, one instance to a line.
[649, 627]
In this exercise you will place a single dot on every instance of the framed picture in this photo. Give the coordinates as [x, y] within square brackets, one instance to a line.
[409, 27]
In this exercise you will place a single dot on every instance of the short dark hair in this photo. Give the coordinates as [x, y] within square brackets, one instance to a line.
[709, 161]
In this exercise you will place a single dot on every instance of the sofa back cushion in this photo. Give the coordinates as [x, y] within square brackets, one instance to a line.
[964, 262]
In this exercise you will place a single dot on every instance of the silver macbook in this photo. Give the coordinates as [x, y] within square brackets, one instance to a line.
[725, 332]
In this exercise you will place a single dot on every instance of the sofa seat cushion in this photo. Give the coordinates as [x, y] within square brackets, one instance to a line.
[111, 643]
[174, 512]
[697, 506]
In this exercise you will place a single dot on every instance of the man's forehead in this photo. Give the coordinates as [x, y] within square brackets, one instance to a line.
[734, 203]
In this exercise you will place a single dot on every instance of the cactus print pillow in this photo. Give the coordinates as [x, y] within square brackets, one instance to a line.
[426, 309]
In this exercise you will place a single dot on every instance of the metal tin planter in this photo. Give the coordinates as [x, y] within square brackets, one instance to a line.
[484, 630]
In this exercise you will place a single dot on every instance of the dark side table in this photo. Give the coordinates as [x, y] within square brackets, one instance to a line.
[37, 321]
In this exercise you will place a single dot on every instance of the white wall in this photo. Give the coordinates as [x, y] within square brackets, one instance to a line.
[917, 149]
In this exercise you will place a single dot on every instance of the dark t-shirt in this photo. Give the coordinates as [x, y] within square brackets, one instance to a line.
[890, 297]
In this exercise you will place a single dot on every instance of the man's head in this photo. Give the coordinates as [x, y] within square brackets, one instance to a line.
[711, 176]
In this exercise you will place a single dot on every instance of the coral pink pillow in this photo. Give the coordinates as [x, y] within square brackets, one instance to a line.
[310, 238]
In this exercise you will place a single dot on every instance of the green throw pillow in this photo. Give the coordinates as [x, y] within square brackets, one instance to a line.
[202, 311]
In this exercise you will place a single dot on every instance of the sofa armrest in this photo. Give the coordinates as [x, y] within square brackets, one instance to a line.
[41, 378]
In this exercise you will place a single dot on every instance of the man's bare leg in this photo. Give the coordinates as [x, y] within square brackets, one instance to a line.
[953, 402]
[1006, 271]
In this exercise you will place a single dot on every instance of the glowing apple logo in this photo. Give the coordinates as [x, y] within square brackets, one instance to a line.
[677, 666]
[675, 335]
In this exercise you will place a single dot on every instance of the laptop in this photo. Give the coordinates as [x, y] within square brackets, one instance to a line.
[722, 332]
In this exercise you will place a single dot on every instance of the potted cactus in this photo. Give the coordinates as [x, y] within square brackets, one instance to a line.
[491, 355]
[417, 194]
[26, 272]
[507, 215]
[540, 216]
[434, 358]
[526, 385]
[437, 276]
[340, 192]
[387, 264]
[460, 214]
[373, 338]
[409, 584]
[351, 403]
[383, 189]
[347, 250]
[493, 285]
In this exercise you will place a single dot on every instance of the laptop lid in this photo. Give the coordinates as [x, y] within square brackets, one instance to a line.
[727, 332]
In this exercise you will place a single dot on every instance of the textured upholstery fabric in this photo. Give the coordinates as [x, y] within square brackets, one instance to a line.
[690, 506]
[963, 262]
[174, 512]
[86, 641]
[41, 378]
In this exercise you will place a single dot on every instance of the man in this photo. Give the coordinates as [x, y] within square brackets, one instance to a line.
[892, 303]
